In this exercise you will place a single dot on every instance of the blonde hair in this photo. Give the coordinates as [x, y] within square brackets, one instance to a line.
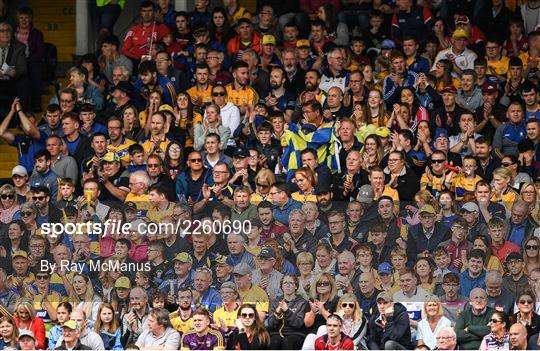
[435, 299]
[357, 314]
[313, 289]
[28, 306]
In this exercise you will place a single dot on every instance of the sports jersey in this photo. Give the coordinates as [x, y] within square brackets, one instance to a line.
[205, 95]
[180, 324]
[344, 343]
[256, 296]
[141, 201]
[463, 184]
[142, 92]
[228, 317]
[138, 38]
[122, 149]
[303, 197]
[148, 144]
[500, 66]
[243, 97]
[213, 340]
[156, 215]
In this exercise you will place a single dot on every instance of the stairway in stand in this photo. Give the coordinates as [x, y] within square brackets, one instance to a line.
[56, 19]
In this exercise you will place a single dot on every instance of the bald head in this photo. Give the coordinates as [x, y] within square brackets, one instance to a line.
[518, 336]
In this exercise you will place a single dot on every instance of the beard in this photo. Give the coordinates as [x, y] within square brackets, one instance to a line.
[310, 87]
[290, 69]
[275, 85]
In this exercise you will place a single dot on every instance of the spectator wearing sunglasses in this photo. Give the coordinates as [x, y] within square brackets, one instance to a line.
[230, 114]
[10, 205]
[251, 333]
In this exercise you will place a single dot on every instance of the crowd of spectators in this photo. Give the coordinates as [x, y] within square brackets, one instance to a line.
[319, 175]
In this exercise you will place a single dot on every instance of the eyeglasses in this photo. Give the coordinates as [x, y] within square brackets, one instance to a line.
[348, 304]
[531, 247]
[438, 161]
[523, 302]
[40, 198]
[323, 284]
[219, 94]
[220, 172]
[26, 213]
[195, 160]
[495, 321]
[7, 196]
[153, 165]
[444, 337]
[394, 159]
[247, 315]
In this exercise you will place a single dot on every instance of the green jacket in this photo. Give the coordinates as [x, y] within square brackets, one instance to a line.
[101, 3]
[477, 327]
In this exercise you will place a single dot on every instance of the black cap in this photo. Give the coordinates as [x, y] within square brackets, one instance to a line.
[240, 152]
[324, 188]
[126, 87]
[130, 205]
[267, 252]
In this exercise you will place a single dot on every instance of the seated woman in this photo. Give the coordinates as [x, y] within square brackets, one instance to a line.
[78, 78]
[250, 333]
[306, 180]
[287, 329]
[432, 322]
[354, 322]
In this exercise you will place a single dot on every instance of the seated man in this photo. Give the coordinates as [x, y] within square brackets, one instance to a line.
[473, 323]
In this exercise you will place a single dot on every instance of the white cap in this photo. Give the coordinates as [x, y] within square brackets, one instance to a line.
[19, 170]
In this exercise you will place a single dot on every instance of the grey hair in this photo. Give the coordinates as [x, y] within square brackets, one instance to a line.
[449, 330]
[299, 212]
[494, 276]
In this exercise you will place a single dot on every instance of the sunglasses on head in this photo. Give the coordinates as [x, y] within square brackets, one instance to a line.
[7, 196]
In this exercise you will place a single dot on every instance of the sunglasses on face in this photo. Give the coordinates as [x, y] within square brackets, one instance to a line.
[7, 196]
[195, 160]
[41, 277]
[218, 93]
[348, 304]
[531, 247]
[26, 213]
[248, 315]
[323, 284]
[523, 302]
[438, 161]
[40, 198]
[495, 321]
